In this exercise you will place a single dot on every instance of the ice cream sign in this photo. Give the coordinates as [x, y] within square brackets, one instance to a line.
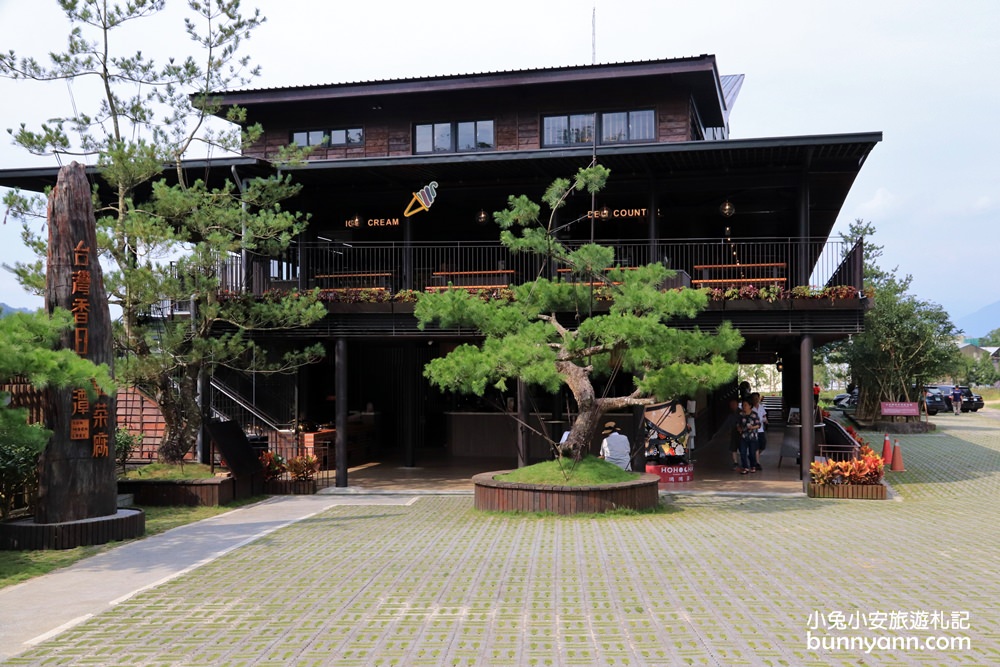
[422, 199]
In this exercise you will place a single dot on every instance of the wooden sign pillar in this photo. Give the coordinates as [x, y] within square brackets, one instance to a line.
[77, 468]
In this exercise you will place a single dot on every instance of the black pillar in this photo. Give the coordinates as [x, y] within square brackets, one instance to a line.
[522, 420]
[808, 410]
[340, 383]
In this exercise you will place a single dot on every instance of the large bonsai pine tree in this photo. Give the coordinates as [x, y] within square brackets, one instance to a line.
[525, 338]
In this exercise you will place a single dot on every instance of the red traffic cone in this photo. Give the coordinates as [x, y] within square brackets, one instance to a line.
[897, 459]
[886, 451]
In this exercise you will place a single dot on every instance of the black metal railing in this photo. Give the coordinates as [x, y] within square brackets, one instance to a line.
[418, 266]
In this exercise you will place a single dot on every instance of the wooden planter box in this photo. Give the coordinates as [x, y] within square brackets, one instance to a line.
[494, 495]
[290, 487]
[185, 492]
[852, 491]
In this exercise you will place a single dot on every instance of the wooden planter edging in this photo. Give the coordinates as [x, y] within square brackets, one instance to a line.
[290, 487]
[183, 492]
[25, 534]
[853, 491]
[494, 495]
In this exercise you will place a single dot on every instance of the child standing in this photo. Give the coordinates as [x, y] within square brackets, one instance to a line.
[748, 424]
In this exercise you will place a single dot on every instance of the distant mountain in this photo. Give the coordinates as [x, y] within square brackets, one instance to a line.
[5, 310]
[981, 322]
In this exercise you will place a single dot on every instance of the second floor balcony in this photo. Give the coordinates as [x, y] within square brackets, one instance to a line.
[340, 268]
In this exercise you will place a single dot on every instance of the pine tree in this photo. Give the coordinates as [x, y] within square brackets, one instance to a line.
[168, 239]
[526, 338]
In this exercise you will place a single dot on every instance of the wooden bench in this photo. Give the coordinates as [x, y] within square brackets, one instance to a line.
[375, 280]
[472, 280]
[755, 277]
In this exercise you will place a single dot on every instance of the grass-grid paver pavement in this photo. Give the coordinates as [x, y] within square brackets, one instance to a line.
[711, 581]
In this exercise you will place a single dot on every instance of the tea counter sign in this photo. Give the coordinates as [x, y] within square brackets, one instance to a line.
[77, 469]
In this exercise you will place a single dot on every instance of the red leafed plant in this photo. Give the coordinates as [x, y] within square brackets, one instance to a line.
[303, 468]
[274, 465]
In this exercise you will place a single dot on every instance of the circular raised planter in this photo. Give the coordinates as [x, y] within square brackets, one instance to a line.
[491, 494]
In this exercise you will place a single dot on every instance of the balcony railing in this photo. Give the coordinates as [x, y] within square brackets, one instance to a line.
[419, 266]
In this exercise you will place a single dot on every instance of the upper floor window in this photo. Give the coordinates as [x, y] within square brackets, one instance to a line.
[568, 130]
[457, 137]
[621, 126]
[352, 136]
[309, 138]
[615, 127]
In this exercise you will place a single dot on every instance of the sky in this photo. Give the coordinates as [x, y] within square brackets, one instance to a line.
[919, 71]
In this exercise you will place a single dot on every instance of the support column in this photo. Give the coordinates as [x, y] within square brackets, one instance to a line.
[522, 419]
[808, 410]
[340, 384]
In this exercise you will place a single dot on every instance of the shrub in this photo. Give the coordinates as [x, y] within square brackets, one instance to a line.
[274, 466]
[303, 468]
[125, 444]
[20, 445]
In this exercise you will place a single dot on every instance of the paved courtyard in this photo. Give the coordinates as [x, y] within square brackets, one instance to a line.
[713, 580]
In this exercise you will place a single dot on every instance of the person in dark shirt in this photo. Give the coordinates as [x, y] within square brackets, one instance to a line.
[956, 399]
[748, 424]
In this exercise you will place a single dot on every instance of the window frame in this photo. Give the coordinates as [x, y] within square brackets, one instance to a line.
[347, 136]
[324, 138]
[453, 132]
[599, 126]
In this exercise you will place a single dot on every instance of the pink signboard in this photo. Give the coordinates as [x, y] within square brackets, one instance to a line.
[899, 408]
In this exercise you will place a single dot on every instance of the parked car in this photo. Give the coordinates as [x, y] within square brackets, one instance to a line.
[970, 402]
[934, 400]
[846, 401]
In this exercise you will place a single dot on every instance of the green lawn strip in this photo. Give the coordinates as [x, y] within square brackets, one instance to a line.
[18, 566]
[564, 472]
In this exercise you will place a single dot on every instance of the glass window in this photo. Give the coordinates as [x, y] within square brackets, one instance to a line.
[450, 137]
[581, 129]
[555, 131]
[642, 125]
[484, 135]
[568, 130]
[442, 138]
[466, 136]
[621, 126]
[424, 139]
[348, 136]
[309, 138]
[474, 135]
[614, 127]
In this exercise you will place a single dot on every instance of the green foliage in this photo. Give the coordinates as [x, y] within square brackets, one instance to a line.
[906, 341]
[21, 444]
[28, 348]
[125, 445]
[979, 371]
[992, 339]
[525, 339]
[169, 246]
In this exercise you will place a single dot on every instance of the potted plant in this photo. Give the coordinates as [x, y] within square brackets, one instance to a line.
[858, 478]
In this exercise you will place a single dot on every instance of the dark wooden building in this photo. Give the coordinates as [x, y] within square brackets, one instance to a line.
[401, 184]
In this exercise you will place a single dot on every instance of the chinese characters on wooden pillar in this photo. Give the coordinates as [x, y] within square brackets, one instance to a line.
[77, 469]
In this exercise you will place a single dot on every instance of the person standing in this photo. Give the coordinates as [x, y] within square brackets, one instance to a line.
[956, 399]
[761, 412]
[616, 448]
[748, 425]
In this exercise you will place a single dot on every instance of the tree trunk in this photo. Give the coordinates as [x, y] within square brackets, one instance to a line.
[76, 472]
